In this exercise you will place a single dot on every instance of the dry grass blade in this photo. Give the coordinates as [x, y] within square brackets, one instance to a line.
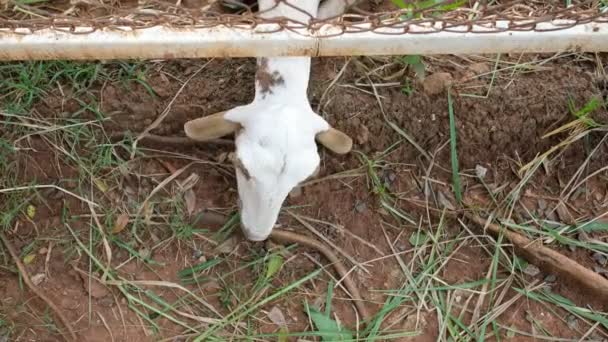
[326, 240]
[160, 186]
[167, 285]
[49, 186]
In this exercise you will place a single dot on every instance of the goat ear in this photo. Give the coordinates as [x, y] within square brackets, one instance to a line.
[210, 127]
[335, 140]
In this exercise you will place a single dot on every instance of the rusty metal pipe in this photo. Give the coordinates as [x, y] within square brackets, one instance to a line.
[168, 43]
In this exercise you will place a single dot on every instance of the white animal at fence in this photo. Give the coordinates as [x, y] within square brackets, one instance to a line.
[275, 134]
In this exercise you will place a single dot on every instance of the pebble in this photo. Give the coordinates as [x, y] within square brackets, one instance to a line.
[600, 258]
[481, 171]
[360, 207]
[542, 204]
[296, 192]
[437, 83]
[572, 322]
[600, 270]
[479, 68]
[532, 270]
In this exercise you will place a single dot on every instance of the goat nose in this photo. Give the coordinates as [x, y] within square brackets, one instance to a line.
[251, 235]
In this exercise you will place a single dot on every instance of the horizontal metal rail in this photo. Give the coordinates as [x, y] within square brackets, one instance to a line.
[161, 42]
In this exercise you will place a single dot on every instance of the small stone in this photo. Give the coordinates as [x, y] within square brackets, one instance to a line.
[600, 259]
[564, 214]
[598, 196]
[444, 201]
[391, 176]
[532, 270]
[400, 246]
[437, 83]
[360, 207]
[57, 195]
[572, 322]
[192, 3]
[96, 290]
[600, 270]
[481, 171]
[106, 301]
[550, 215]
[38, 279]
[296, 192]
[362, 135]
[551, 278]
[228, 246]
[542, 204]
[479, 68]
[197, 253]
[70, 184]
[145, 253]
[69, 303]
[276, 316]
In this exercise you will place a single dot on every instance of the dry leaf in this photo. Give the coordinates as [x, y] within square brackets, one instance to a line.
[227, 246]
[189, 182]
[38, 278]
[563, 214]
[444, 201]
[276, 316]
[121, 223]
[190, 198]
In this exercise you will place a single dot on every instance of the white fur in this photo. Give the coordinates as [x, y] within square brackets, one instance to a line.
[277, 145]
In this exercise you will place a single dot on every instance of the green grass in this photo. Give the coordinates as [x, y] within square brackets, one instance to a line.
[454, 151]
[23, 84]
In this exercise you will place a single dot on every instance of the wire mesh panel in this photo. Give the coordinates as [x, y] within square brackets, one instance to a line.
[216, 21]
[397, 14]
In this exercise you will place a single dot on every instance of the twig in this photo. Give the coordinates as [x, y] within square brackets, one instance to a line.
[30, 285]
[549, 260]
[291, 237]
[169, 140]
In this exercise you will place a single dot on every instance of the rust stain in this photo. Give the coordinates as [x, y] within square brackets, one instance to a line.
[265, 79]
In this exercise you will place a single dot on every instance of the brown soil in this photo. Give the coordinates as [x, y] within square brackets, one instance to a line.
[499, 132]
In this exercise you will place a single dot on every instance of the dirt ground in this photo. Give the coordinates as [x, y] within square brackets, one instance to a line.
[503, 108]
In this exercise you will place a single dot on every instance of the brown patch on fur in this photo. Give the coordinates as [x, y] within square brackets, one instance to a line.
[265, 79]
[239, 165]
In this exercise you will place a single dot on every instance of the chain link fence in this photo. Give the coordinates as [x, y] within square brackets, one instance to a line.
[26, 16]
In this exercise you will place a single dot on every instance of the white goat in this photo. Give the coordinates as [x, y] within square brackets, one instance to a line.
[275, 134]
